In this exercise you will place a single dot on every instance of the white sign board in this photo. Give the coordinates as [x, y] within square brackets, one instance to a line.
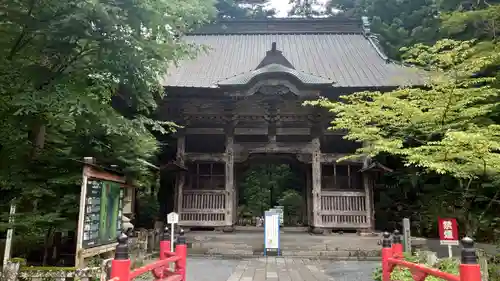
[172, 218]
[280, 211]
[271, 231]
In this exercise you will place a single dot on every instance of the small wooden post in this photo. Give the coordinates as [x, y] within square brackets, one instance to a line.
[10, 232]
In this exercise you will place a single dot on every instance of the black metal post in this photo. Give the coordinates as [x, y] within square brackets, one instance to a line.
[166, 234]
[386, 241]
[121, 252]
[396, 237]
[468, 251]
[181, 239]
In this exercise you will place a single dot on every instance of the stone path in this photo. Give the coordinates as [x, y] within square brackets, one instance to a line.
[278, 269]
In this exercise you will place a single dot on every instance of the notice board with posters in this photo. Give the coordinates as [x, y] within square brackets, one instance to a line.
[101, 210]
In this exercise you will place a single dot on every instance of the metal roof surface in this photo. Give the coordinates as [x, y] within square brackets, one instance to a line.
[351, 60]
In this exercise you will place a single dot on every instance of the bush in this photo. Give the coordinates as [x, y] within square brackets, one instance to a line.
[494, 268]
[404, 274]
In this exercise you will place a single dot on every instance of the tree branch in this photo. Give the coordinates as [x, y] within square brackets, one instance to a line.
[18, 43]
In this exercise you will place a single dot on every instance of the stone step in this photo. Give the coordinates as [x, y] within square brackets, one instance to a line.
[284, 246]
[236, 250]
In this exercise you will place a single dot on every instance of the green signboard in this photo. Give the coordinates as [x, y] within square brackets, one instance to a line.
[103, 212]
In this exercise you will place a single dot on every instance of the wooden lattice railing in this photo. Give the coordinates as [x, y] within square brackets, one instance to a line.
[344, 209]
[203, 207]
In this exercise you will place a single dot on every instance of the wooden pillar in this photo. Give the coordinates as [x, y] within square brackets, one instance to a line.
[229, 175]
[309, 195]
[368, 186]
[181, 176]
[316, 184]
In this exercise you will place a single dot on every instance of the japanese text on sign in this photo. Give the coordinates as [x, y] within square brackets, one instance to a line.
[448, 231]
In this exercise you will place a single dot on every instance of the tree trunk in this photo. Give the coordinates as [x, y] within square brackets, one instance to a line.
[47, 245]
[38, 133]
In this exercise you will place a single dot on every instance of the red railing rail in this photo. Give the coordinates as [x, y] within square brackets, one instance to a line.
[392, 256]
[120, 265]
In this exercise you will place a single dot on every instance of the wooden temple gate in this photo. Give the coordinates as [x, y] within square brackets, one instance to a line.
[243, 97]
[338, 195]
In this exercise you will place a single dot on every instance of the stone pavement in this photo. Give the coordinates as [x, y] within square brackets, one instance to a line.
[278, 269]
[292, 244]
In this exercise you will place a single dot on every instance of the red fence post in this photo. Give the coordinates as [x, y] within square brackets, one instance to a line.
[386, 254]
[397, 245]
[165, 243]
[120, 265]
[181, 251]
[469, 268]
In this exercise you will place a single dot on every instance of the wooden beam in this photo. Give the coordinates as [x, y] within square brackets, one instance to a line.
[251, 131]
[304, 131]
[293, 131]
[204, 131]
[316, 182]
[208, 157]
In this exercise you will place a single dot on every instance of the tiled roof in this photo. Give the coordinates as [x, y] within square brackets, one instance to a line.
[348, 59]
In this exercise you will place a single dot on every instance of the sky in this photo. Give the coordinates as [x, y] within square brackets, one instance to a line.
[282, 6]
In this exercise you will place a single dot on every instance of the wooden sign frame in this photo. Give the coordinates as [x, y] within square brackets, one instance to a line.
[92, 171]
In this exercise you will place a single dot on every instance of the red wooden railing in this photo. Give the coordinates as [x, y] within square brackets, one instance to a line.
[120, 265]
[392, 256]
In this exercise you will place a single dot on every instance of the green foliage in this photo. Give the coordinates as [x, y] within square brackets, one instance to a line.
[244, 9]
[62, 64]
[304, 8]
[293, 204]
[265, 186]
[494, 268]
[404, 274]
[445, 128]
[149, 210]
[397, 23]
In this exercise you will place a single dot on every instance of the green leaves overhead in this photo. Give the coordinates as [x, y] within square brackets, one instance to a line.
[81, 78]
[447, 127]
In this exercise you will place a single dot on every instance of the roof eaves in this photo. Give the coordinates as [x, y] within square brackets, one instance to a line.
[276, 33]
[247, 77]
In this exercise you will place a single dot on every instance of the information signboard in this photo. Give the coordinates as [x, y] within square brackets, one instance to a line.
[102, 213]
[281, 213]
[271, 232]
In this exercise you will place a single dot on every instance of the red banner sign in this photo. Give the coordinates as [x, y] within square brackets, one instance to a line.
[448, 231]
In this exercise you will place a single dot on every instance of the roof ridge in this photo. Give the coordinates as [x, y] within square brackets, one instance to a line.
[282, 26]
[325, 19]
[373, 39]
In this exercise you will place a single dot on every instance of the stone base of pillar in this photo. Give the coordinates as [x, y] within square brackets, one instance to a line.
[316, 230]
[366, 232]
[228, 229]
